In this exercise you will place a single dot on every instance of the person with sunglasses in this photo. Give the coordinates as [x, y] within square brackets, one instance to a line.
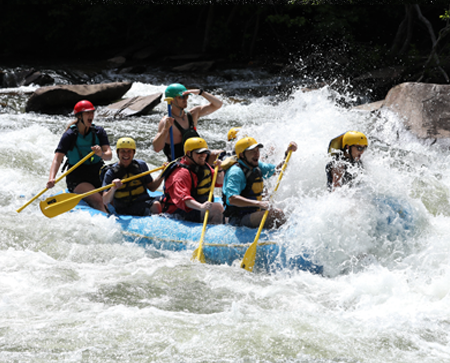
[243, 190]
[187, 183]
[185, 122]
[346, 151]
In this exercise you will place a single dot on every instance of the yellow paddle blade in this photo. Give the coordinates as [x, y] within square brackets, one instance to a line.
[250, 255]
[248, 262]
[53, 206]
[57, 180]
[195, 255]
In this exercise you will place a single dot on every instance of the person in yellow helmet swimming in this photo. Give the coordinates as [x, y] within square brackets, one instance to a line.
[131, 198]
[188, 182]
[244, 185]
[346, 151]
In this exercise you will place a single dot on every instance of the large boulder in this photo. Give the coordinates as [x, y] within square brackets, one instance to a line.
[135, 106]
[57, 99]
[423, 107]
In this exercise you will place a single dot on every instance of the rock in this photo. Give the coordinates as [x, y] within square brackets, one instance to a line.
[423, 107]
[24, 77]
[195, 67]
[57, 99]
[140, 105]
[38, 78]
[374, 106]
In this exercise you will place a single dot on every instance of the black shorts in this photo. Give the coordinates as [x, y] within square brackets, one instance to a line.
[240, 220]
[139, 208]
[84, 174]
[192, 216]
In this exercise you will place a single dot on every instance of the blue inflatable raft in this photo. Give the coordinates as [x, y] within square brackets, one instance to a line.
[226, 244]
[223, 244]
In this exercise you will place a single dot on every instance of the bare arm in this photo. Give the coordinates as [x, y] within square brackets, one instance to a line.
[337, 174]
[240, 201]
[152, 186]
[163, 131]
[221, 174]
[109, 195]
[199, 111]
[192, 203]
[107, 153]
[57, 160]
[292, 146]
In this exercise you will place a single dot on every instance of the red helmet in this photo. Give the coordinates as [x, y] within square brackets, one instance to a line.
[83, 106]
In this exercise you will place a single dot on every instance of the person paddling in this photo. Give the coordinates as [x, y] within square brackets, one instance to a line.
[131, 198]
[188, 183]
[243, 187]
[185, 122]
[346, 151]
[80, 138]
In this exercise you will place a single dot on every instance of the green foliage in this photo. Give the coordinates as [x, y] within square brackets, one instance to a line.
[445, 16]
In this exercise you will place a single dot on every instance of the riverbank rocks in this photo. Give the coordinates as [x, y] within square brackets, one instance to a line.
[59, 99]
[135, 106]
[423, 107]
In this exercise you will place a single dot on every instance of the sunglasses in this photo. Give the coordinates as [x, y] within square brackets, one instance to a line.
[184, 97]
[361, 148]
[203, 152]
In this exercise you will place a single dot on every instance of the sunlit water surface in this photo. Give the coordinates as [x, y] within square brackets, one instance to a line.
[73, 290]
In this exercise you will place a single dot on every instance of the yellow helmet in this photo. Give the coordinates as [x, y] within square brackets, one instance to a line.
[126, 143]
[247, 143]
[233, 133]
[354, 138]
[196, 144]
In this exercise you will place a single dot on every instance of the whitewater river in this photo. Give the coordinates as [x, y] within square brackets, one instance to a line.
[73, 290]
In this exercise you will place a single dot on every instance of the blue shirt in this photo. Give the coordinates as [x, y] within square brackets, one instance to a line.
[235, 181]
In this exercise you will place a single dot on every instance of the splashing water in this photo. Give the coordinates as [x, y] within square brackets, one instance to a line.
[73, 290]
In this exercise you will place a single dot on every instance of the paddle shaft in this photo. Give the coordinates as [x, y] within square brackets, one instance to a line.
[84, 195]
[249, 258]
[169, 111]
[200, 256]
[57, 180]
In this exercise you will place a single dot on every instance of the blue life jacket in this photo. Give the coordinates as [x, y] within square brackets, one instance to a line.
[253, 190]
[81, 146]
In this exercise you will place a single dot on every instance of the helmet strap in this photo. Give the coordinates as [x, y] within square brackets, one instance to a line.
[190, 157]
[244, 159]
[349, 151]
[80, 118]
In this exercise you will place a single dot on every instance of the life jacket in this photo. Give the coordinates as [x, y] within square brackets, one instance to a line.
[351, 171]
[130, 192]
[253, 190]
[191, 131]
[81, 146]
[200, 192]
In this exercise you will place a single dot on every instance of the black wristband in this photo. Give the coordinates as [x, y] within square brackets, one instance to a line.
[200, 93]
